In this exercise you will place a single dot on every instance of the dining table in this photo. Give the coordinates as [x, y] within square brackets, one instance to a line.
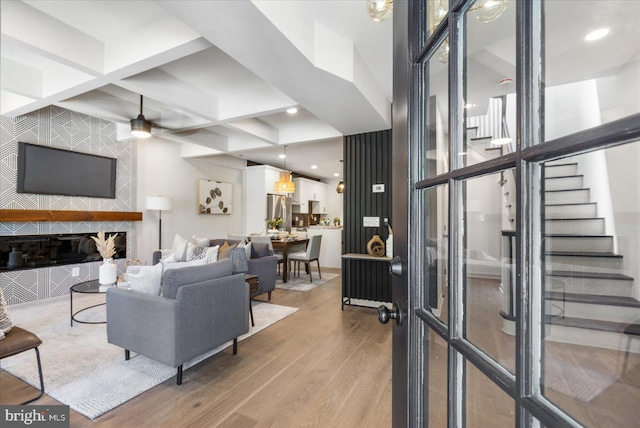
[285, 245]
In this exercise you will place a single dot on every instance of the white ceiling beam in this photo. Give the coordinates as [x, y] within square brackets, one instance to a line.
[266, 101]
[27, 24]
[173, 92]
[20, 79]
[256, 128]
[115, 77]
[308, 132]
[245, 33]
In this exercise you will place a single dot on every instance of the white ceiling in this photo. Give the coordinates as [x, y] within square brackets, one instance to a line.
[216, 76]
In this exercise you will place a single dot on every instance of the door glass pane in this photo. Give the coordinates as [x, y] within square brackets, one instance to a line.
[436, 11]
[435, 113]
[437, 385]
[436, 257]
[490, 100]
[487, 406]
[488, 216]
[592, 68]
[591, 297]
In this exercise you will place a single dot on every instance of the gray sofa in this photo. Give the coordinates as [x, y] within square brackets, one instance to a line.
[264, 267]
[200, 308]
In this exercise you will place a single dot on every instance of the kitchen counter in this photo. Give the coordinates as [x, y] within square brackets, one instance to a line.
[331, 246]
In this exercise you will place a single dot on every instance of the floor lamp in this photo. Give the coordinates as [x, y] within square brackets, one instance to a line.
[160, 203]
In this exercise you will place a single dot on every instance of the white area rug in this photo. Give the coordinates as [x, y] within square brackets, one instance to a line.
[301, 283]
[84, 371]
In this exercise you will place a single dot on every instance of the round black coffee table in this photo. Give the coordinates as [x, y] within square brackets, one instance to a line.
[86, 287]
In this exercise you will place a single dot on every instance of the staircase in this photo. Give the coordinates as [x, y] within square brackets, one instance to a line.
[590, 300]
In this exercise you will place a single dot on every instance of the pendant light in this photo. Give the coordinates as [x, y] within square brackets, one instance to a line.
[140, 127]
[285, 185]
[379, 10]
[340, 188]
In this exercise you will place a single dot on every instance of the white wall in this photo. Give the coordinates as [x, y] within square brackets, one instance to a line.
[625, 196]
[163, 172]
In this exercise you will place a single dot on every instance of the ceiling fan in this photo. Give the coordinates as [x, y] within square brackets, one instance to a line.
[141, 127]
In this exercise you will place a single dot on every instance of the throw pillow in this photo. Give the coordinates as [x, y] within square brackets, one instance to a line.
[171, 258]
[5, 321]
[146, 279]
[259, 249]
[223, 252]
[179, 248]
[239, 258]
[194, 252]
[177, 265]
[200, 242]
[247, 248]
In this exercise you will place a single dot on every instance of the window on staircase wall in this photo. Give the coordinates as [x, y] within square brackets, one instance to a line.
[590, 82]
[489, 86]
[590, 304]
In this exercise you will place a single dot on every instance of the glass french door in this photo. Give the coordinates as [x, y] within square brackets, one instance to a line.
[524, 213]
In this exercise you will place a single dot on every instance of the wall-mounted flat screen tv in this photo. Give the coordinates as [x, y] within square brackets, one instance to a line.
[51, 171]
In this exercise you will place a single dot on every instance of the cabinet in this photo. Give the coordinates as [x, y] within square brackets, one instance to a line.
[330, 247]
[312, 195]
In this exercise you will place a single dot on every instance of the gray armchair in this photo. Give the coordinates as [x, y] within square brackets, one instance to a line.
[203, 314]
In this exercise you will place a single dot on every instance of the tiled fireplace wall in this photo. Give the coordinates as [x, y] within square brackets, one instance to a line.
[64, 129]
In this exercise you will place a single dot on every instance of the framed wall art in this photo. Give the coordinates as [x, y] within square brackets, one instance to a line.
[214, 197]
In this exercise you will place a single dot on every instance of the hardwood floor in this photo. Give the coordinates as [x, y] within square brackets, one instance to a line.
[316, 368]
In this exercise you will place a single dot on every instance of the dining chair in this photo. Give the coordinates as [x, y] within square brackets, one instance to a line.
[312, 253]
[267, 240]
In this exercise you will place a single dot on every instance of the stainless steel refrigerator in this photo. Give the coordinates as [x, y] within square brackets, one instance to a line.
[279, 206]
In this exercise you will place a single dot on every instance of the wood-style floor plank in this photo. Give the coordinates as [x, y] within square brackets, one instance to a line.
[318, 367]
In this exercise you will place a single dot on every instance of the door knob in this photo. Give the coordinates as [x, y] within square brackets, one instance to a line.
[395, 266]
[385, 314]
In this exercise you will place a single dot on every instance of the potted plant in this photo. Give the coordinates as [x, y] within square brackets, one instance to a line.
[336, 221]
[275, 223]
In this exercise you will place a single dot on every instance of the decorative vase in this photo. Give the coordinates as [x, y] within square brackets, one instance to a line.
[375, 246]
[15, 258]
[108, 272]
[390, 243]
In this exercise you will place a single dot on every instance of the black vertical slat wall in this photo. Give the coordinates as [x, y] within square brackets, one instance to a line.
[367, 161]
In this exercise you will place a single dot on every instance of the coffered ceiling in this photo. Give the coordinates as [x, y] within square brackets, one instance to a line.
[217, 76]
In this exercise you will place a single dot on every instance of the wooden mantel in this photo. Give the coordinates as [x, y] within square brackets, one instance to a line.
[51, 215]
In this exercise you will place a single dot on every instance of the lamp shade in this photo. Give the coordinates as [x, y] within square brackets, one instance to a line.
[160, 203]
[140, 127]
[285, 185]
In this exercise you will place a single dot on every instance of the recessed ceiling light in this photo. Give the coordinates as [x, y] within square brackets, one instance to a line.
[282, 156]
[596, 34]
[314, 166]
[292, 110]
[336, 174]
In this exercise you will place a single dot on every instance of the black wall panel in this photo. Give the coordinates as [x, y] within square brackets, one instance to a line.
[367, 161]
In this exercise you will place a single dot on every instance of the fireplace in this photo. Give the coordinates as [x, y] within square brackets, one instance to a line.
[35, 251]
